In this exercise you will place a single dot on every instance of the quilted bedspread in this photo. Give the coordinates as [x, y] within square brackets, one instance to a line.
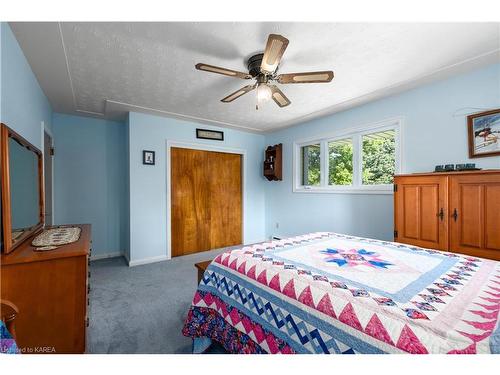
[332, 293]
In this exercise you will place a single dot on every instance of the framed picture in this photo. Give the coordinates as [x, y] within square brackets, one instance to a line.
[148, 157]
[214, 135]
[484, 134]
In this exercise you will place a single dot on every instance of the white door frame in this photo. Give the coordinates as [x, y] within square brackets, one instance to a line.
[203, 147]
[45, 129]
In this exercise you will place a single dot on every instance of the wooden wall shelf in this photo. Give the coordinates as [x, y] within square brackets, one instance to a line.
[273, 163]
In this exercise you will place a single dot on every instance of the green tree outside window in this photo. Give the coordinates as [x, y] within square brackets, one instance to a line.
[378, 160]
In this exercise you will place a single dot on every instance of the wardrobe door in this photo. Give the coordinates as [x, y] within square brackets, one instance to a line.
[475, 215]
[420, 206]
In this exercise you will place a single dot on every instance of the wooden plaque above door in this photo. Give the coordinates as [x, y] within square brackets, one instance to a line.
[206, 200]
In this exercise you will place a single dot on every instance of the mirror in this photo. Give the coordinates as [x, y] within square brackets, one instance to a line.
[22, 194]
[24, 198]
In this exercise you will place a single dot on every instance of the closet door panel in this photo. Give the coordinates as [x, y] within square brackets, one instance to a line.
[190, 198]
[225, 203]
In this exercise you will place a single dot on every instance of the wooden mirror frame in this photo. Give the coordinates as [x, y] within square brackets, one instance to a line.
[5, 134]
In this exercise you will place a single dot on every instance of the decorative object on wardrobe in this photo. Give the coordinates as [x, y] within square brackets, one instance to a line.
[458, 167]
[484, 134]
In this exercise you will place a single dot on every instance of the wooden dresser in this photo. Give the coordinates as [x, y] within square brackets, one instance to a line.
[50, 290]
[453, 211]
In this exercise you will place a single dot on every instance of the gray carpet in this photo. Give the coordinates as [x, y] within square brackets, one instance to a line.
[142, 309]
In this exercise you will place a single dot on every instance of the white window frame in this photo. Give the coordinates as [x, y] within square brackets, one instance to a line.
[356, 134]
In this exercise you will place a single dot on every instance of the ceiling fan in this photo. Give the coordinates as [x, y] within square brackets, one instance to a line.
[263, 68]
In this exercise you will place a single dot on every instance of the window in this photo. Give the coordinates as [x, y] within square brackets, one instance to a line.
[360, 160]
[311, 167]
[340, 162]
[379, 163]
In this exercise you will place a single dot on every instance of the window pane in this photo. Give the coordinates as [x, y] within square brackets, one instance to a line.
[311, 164]
[379, 157]
[340, 162]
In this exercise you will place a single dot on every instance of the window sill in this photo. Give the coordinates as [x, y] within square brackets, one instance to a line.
[381, 190]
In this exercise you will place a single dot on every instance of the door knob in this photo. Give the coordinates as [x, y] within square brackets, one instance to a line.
[455, 214]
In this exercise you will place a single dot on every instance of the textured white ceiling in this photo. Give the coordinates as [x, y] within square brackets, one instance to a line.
[107, 69]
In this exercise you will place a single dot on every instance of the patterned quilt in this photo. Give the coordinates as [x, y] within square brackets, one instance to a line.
[332, 293]
[7, 343]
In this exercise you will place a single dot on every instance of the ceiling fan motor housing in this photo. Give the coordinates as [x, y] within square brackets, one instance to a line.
[254, 64]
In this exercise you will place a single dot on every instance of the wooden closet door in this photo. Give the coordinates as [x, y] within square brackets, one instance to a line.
[226, 199]
[190, 211]
[475, 215]
[418, 202]
[206, 202]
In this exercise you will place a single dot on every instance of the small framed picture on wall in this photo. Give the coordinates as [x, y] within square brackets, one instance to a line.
[148, 157]
[484, 134]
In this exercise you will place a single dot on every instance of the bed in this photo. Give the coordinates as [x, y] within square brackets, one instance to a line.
[333, 293]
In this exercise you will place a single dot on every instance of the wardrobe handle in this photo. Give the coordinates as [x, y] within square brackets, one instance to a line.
[455, 214]
[441, 214]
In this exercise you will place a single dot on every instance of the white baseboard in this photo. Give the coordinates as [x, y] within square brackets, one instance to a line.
[139, 262]
[105, 256]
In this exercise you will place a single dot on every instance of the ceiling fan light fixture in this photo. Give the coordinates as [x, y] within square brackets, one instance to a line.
[263, 92]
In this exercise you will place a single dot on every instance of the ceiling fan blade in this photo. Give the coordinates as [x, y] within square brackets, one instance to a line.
[275, 48]
[278, 96]
[219, 70]
[307, 77]
[238, 93]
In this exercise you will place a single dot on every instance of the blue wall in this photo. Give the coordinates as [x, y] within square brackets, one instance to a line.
[90, 179]
[23, 105]
[148, 184]
[435, 132]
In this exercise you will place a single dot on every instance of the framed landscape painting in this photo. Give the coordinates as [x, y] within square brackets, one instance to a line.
[484, 134]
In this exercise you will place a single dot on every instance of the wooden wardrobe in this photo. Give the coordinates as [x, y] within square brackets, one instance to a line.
[454, 211]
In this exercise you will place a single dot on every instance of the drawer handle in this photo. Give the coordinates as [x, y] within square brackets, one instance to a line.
[441, 214]
[455, 215]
